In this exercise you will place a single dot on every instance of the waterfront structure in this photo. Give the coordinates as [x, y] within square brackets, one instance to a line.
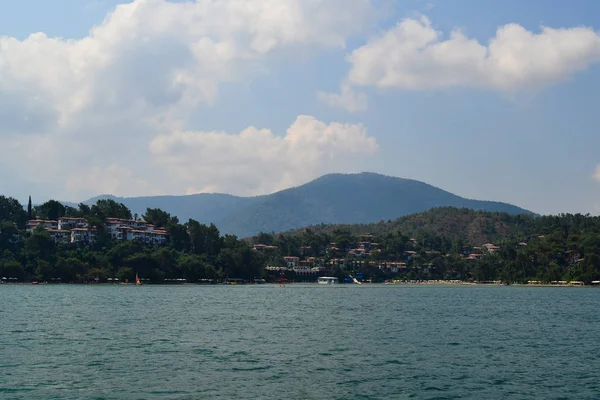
[328, 280]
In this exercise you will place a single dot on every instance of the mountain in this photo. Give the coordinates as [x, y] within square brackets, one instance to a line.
[330, 199]
[204, 207]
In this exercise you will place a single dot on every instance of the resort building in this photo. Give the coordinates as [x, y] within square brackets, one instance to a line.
[46, 224]
[66, 223]
[115, 225]
[77, 230]
[128, 229]
[59, 235]
[83, 235]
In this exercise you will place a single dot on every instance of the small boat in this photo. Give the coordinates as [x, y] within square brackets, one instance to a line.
[328, 280]
[137, 280]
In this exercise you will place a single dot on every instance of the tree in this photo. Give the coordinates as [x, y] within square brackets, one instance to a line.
[159, 218]
[204, 239]
[43, 271]
[108, 208]
[84, 210]
[29, 209]
[40, 246]
[72, 212]
[179, 238]
[12, 211]
[69, 270]
[9, 236]
[194, 267]
[12, 269]
[51, 209]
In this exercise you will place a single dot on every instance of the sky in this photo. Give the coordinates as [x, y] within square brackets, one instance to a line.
[486, 99]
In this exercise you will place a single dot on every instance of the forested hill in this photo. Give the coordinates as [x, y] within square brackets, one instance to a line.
[450, 243]
[330, 199]
[469, 226]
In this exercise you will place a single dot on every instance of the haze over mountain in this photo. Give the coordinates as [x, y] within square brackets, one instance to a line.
[330, 199]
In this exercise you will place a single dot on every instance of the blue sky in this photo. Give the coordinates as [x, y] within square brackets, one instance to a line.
[250, 97]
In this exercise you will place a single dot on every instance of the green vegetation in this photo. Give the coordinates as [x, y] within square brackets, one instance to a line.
[442, 243]
[194, 251]
[448, 245]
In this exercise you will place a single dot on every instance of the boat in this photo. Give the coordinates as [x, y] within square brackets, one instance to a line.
[137, 280]
[328, 280]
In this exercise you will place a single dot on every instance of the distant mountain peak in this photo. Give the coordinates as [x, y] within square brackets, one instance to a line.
[330, 199]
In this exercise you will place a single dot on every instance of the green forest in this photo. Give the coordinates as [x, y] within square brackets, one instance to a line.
[439, 244]
[194, 252]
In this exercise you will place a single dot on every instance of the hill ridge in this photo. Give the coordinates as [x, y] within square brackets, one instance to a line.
[330, 199]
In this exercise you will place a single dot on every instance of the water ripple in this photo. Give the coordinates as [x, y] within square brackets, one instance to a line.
[308, 342]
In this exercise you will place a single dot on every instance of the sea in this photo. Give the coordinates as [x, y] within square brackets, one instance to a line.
[299, 342]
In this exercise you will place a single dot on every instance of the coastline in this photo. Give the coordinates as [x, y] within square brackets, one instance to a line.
[367, 284]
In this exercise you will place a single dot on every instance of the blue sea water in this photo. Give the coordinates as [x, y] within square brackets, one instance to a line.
[298, 342]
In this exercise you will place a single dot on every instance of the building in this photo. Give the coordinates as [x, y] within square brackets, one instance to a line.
[46, 224]
[83, 235]
[393, 266]
[291, 262]
[60, 235]
[66, 223]
[263, 247]
[114, 225]
[491, 248]
[129, 229]
[153, 236]
[410, 254]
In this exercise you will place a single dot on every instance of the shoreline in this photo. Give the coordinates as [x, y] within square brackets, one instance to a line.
[413, 283]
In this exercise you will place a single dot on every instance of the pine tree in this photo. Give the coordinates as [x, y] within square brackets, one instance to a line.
[30, 209]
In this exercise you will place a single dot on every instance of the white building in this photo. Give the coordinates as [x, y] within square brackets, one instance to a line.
[120, 228]
[148, 235]
[46, 224]
[66, 223]
[83, 235]
[59, 235]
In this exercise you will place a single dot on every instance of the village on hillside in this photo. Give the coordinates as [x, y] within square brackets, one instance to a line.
[354, 257]
[77, 230]
[415, 260]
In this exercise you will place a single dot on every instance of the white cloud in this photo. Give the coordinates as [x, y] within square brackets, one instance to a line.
[108, 180]
[413, 55]
[156, 55]
[596, 175]
[79, 111]
[256, 161]
[348, 99]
